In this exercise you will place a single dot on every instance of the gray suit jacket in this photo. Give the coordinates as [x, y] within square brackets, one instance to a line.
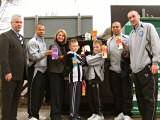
[12, 55]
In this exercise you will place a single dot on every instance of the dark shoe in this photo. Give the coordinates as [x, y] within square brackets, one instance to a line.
[70, 117]
[56, 117]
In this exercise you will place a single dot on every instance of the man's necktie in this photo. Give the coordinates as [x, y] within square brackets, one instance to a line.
[20, 38]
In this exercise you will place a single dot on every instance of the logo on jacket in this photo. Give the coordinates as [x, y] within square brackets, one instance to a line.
[141, 33]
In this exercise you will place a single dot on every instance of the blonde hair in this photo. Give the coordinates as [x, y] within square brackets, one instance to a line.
[73, 41]
[98, 42]
[64, 32]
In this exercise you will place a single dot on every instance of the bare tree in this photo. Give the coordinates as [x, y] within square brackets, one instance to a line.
[4, 20]
[106, 34]
[4, 4]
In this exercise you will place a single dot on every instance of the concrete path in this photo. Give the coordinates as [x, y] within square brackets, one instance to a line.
[44, 115]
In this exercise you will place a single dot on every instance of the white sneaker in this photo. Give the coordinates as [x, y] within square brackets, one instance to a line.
[91, 117]
[42, 117]
[102, 117]
[126, 117]
[33, 118]
[98, 117]
[119, 117]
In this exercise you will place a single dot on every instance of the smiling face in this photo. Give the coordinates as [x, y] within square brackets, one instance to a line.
[60, 37]
[73, 45]
[116, 28]
[97, 47]
[134, 18]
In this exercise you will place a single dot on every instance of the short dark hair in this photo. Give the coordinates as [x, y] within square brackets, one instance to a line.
[40, 24]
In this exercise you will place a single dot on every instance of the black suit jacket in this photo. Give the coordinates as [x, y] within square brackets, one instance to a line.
[12, 55]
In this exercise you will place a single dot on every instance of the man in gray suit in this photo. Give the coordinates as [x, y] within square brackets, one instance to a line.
[12, 58]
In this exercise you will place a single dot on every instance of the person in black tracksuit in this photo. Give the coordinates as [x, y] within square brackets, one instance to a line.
[56, 73]
[74, 62]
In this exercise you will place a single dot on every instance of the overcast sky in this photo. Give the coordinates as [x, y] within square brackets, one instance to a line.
[100, 9]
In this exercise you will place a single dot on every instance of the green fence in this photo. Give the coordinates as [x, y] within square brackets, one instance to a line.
[154, 20]
[127, 29]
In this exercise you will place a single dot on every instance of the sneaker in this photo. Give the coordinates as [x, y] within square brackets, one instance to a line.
[119, 117]
[91, 117]
[33, 118]
[42, 117]
[101, 117]
[77, 117]
[126, 117]
[98, 117]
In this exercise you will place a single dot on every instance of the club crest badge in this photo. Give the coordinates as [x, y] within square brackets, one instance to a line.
[141, 33]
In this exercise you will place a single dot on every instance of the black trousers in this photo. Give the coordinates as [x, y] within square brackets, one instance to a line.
[127, 94]
[30, 73]
[146, 86]
[121, 88]
[94, 96]
[10, 98]
[56, 84]
[75, 98]
[36, 94]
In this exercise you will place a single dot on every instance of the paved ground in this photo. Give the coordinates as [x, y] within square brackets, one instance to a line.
[44, 115]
